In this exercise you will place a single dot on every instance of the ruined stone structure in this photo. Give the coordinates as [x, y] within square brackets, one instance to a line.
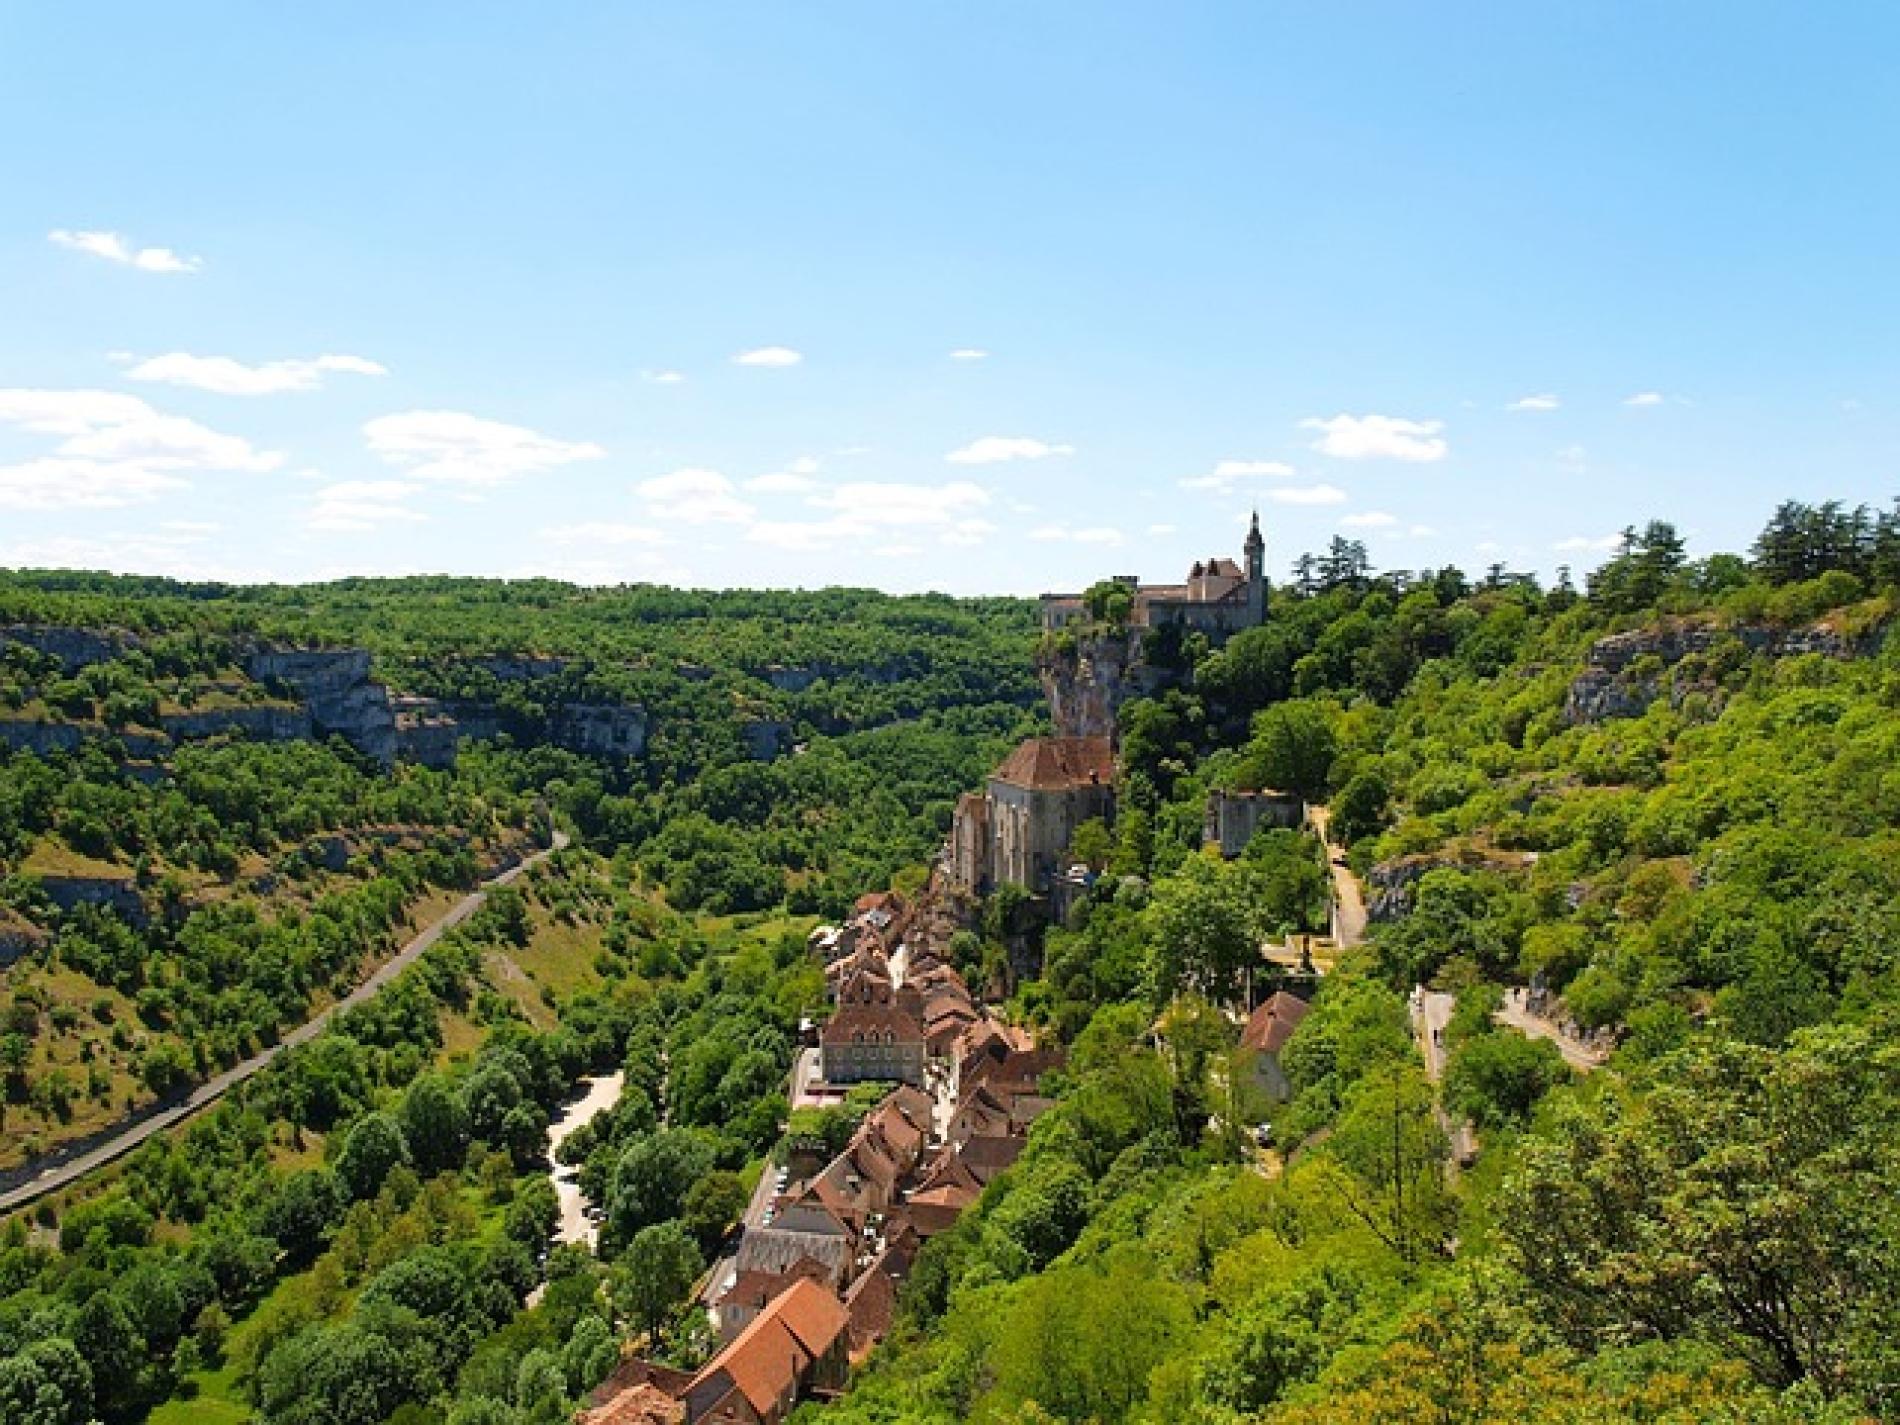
[1233, 817]
[1218, 597]
[1018, 829]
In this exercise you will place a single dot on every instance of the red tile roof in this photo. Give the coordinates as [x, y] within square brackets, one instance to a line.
[1271, 1025]
[1053, 764]
[768, 1361]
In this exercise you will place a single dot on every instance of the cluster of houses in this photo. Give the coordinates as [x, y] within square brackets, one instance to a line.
[813, 1284]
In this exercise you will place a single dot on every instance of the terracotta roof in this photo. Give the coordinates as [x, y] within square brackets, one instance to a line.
[862, 1020]
[1271, 1025]
[871, 1304]
[988, 1154]
[756, 1289]
[1052, 764]
[768, 1360]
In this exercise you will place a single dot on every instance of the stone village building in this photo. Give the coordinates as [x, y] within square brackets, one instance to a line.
[1218, 597]
[1018, 829]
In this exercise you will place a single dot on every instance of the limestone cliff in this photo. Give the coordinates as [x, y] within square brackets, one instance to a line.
[1626, 672]
[1087, 678]
[336, 686]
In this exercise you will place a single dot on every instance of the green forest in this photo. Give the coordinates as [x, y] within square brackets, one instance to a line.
[1663, 808]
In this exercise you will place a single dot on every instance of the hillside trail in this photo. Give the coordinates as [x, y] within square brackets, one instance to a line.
[62, 1168]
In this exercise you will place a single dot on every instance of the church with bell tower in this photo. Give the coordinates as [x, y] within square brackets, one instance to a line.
[1218, 597]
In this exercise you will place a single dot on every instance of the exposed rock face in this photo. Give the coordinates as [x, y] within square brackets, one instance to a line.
[1087, 685]
[766, 738]
[113, 892]
[25, 735]
[74, 647]
[1390, 887]
[1624, 671]
[335, 683]
[263, 723]
[18, 938]
[603, 729]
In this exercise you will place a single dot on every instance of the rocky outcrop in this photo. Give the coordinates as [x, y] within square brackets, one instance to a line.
[601, 729]
[766, 738]
[1087, 681]
[336, 686]
[18, 937]
[1626, 672]
[33, 735]
[264, 722]
[74, 647]
[1392, 886]
[115, 893]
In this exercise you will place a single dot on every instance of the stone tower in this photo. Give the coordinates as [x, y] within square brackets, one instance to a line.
[1256, 551]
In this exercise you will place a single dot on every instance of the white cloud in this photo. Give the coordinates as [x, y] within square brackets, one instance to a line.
[222, 375]
[968, 353]
[455, 446]
[1307, 495]
[1579, 542]
[115, 248]
[769, 356]
[865, 510]
[113, 449]
[794, 479]
[362, 506]
[662, 378]
[1378, 438]
[1644, 398]
[1097, 534]
[876, 503]
[693, 495]
[996, 449]
[602, 532]
[1229, 475]
[968, 532]
[1159, 530]
[1369, 519]
[1545, 402]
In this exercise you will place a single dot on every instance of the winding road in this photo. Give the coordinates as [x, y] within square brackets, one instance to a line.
[1349, 902]
[49, 1174]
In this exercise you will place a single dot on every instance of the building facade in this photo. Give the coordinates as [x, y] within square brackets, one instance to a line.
[1018, 831]
[1218, 597]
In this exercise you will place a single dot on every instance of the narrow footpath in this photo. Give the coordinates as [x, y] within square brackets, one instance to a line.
[49, 1174]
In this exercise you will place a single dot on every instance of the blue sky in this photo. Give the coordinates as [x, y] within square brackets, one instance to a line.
[987, 297]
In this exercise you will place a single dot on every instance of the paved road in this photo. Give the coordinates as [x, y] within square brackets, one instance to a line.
[1516, 1015]
[62, 1174]
[1431, 1012]
[1349, 903]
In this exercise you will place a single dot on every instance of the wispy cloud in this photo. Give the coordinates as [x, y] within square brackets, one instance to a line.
[112, 449]
[1229, 475]
[1545, 402]
[794, 479]
[1375, 437]
[468, 450]
[662, 378]
[769, 356]
[968, 353]
[602, 532]
[998, 449]
[114, 247]
[1644, 398]
[363, 506]
[226, 377]
[694, 495]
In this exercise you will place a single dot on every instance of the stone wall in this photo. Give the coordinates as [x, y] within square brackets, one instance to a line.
[1234, 817]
